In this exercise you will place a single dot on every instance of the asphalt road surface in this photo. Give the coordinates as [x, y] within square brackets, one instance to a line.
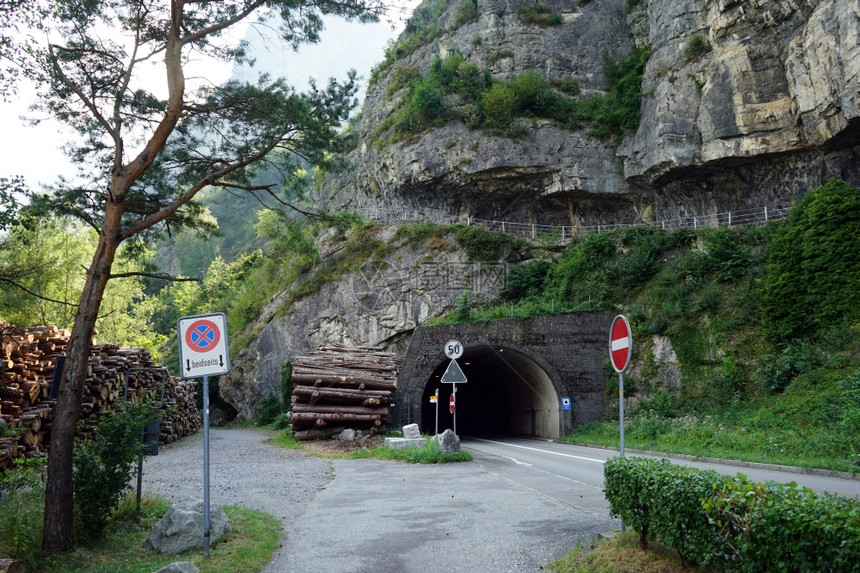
[521, 504]
[561, 470]
[377, 516]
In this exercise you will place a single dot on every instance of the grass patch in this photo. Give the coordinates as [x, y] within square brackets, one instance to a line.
[252, 543]
[620, 553]
[428, 454]
[286, 440]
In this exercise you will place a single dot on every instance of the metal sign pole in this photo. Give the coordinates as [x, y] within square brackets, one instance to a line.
[437, 412]
[621, 409]
[454, 393]
[206, 524]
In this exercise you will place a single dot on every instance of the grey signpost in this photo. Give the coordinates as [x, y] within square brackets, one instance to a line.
[620, 350]
[204, 352]
[453, 349]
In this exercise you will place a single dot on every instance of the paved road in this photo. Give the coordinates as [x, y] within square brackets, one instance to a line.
[521, 504]
[378, 516]
[563, 471]
[354, 516]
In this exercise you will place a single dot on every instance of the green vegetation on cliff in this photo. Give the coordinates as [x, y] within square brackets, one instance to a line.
[747, 339]
[483, 102]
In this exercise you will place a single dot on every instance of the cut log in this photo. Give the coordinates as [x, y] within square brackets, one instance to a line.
[321, 409]
[311, 395]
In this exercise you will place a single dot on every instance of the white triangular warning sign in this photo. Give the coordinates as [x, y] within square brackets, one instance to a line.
[454, 374]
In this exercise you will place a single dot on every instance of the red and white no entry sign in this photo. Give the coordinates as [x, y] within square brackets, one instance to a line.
[452, 404]
[620, 343]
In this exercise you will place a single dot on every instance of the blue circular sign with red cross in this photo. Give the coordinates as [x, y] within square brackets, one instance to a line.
[202, 336]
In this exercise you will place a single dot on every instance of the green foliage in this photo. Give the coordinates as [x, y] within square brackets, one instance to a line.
[467, 12]
[582, 274]
[776, 371]
[21, 506]
[482, 245]
[429, 453]
[527, 280]
[254, 538]
[496, 104]
[813, 270]
[464, 307]
[569, 86]
[10, 189]
[613, 115]
[41, 260]
[421, 29]
[539, 15]
[720, 522]
[774, 527]
[104, 463]
[697, 47]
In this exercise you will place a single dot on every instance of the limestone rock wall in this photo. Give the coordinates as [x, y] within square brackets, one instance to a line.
[378, 305]
[769, 112]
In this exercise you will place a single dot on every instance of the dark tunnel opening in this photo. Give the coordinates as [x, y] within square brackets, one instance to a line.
[506, 393]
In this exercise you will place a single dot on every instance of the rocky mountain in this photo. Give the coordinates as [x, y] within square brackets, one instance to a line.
[746, 103]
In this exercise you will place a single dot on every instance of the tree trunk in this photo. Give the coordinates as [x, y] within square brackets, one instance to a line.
[58, 533]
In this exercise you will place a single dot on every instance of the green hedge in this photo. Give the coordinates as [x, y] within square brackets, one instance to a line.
[723, 523]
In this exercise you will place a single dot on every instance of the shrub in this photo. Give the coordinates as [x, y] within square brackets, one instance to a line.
[776, 371]
[775, 527]
[721, 522]
[617, 112]
[104, 463]
[467, 12]
[813, 270]
[21, 508]
[540, 15]
[697, 47]
[527, 280]
[498, 104]
[428, 101]
[482, 245]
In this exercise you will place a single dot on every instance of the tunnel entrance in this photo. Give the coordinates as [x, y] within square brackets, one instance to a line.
[507, 393]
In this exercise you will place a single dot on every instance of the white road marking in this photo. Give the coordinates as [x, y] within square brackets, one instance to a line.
[539, 450]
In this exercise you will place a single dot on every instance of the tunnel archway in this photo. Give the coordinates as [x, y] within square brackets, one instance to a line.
[507, 393]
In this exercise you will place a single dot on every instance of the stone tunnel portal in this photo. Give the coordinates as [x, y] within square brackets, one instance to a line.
[507, 392]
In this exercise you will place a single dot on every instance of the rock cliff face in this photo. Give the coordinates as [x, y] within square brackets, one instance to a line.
[379, 304]
[768, 113]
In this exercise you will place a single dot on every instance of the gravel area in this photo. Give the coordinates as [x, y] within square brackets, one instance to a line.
[245, 468]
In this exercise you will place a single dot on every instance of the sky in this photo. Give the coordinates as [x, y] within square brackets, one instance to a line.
[35, 151]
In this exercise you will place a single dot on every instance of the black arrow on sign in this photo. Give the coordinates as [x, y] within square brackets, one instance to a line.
[187, 365]
[221, 356]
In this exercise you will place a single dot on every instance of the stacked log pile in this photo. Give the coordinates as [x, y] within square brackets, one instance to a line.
[28, 358]
[337, 388]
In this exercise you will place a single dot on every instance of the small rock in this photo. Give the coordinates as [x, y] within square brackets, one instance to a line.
[179, 567]
[181, 528]
[448, 441]
[411, 432]
[348, 435]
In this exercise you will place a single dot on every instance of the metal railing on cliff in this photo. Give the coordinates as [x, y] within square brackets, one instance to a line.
[564, 233]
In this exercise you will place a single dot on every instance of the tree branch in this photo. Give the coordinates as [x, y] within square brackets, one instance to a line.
[160, 276]
[31, 293]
